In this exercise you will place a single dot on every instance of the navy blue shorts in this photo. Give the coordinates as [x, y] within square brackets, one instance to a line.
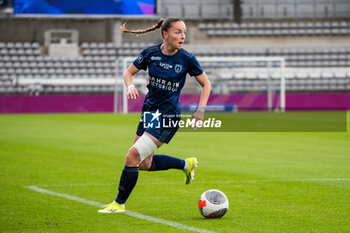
[163, 135]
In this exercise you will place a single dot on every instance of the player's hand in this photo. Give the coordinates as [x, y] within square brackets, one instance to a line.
[132, 92]
[198, 116]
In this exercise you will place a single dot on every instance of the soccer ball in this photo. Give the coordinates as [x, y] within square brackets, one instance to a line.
[213, 204]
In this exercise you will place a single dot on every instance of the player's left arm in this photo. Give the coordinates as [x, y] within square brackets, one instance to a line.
[203, 80]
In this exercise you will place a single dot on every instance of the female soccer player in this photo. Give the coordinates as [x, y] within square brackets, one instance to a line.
[167, 63]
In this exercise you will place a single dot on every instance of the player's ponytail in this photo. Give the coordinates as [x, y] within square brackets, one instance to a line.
[164, 24]
[142, 31]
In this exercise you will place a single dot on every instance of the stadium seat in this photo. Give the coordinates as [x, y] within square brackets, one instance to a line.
[93, 45]
[101, 45]
[10, 45]
[35, 45]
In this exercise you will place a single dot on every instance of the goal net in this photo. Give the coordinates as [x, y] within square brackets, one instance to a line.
[238, 84]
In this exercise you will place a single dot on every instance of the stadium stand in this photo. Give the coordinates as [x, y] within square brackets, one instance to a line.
[27, 68]
[282, 28]
[257, 9]
[97, 62]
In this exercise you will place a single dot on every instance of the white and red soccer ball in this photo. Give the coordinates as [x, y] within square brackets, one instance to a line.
[213, 204]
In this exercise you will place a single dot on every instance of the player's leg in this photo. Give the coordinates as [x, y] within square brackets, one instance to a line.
[142, 148]
[165, 162]
[159, 162]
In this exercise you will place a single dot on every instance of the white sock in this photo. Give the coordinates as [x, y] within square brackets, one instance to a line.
[186, 165]
[120, 204]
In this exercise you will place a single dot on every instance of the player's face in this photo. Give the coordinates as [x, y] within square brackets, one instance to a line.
[175, 36]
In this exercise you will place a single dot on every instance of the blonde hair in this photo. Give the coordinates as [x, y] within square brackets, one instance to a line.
[164, 24]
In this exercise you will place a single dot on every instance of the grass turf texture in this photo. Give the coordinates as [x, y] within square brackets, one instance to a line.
[90, 149]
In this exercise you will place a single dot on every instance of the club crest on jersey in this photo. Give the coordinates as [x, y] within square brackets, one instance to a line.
[139, 58]
[178, 68]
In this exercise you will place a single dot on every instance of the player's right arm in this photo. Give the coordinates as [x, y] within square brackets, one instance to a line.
[128, 74]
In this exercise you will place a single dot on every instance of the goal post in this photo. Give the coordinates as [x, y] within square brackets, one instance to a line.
[220, 69]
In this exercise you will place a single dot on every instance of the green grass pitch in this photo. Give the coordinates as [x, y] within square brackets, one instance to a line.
[275, 182]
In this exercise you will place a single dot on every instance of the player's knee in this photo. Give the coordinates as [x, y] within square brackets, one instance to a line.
[132, 158]
[145, 147]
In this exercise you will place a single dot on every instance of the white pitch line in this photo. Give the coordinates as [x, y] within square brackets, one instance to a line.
[127, 212]
[209, 182]
[69, 185]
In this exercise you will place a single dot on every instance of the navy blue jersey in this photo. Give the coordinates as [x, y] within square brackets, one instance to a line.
[167, 77]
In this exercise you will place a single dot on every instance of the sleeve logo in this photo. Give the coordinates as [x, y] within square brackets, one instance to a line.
[139, 58]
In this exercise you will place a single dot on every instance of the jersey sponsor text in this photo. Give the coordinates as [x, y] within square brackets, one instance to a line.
[164, 84]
